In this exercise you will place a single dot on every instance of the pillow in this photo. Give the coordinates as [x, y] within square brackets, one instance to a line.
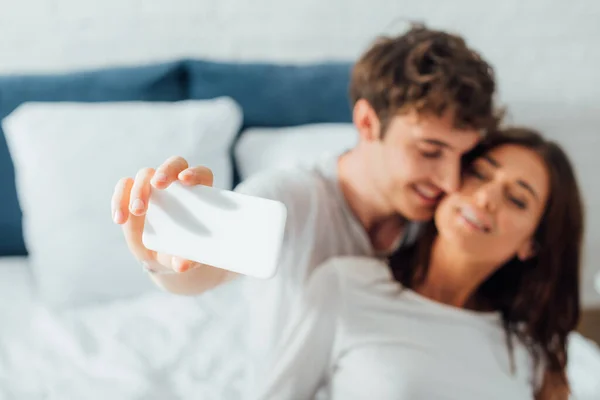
[258, 149]
[277, 95]
[159, 82]
[68, 158]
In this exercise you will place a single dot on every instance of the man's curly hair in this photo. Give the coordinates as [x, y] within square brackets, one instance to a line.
[428, 71]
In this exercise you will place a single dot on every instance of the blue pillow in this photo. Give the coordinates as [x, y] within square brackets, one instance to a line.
[159, 82]
[277, 95]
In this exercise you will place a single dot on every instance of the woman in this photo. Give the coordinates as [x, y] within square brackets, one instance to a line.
[479, 308]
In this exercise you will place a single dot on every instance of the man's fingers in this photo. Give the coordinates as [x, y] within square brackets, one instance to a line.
[168, 172]
[196, 176]
[183, 265]
[133, 230]
[120, 200]
[177, 264]
[140, 192]
[130, 203]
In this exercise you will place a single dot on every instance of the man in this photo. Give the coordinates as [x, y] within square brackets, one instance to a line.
[420, 101]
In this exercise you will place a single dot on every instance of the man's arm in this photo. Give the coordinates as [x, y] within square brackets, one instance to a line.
[129, 203]
[194, 281]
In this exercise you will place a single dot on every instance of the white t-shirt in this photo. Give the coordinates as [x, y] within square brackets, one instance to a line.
[360, 335]
[319, 225]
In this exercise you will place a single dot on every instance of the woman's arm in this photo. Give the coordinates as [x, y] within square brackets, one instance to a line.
[303, 358]
[552, 387]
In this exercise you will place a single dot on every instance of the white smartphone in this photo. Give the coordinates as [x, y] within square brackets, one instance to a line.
[221, 228]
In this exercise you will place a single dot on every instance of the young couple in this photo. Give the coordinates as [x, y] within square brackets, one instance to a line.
[439, 258]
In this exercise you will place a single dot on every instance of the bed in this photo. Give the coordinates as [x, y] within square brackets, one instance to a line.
[80, 322]
[155, 346]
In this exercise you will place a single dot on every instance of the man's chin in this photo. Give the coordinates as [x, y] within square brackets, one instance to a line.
[420, 214]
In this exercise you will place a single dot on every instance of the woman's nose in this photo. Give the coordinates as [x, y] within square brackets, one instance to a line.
[487, 196]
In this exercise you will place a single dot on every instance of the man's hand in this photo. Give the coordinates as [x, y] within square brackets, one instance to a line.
[130, 202]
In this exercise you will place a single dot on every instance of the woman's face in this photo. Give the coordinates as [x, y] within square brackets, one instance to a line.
[494, 215]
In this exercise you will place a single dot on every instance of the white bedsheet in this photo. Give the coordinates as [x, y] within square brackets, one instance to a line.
[155, 347]
[158, 346]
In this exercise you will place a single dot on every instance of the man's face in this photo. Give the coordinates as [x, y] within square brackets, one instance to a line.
[417, 161]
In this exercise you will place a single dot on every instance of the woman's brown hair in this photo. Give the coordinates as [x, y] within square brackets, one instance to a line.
[537, 298]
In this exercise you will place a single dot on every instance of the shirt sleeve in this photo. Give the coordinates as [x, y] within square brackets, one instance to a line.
[266, 184]
[305, 354]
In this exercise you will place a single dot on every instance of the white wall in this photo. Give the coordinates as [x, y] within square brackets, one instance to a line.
[546, 52]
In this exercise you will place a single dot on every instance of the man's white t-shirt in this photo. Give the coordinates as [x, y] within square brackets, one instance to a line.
[360, 335]
[320, 225]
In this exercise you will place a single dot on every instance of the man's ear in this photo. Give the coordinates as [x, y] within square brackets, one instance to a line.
[366, 121]
[528, 250]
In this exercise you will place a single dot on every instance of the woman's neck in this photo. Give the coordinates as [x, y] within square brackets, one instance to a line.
[451, 278]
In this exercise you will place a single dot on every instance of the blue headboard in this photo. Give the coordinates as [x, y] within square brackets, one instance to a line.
[269, 94]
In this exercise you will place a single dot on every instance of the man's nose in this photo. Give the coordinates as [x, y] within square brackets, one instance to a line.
[449, 178]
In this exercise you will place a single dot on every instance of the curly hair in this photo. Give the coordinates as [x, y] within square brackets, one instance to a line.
[428, 71]
[538, 298]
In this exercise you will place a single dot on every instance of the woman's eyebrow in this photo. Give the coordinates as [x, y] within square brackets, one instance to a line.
[492, 161]
[524, 184]
[520, 182]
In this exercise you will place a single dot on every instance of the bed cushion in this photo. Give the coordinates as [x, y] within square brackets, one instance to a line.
[68, 158]
[159, 82]
[259, 149]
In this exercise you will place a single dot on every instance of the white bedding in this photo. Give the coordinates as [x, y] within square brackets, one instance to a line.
[154, 347]
[158, 346]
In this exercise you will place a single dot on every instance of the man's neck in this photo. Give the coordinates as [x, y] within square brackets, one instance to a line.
[375, 214]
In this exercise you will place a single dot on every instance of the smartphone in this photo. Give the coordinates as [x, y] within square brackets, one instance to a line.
[221, 228]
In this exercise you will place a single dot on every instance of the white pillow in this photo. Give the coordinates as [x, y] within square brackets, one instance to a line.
[264, 148]
[68, 158]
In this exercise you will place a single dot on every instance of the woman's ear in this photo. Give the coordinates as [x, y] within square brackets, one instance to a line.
[366, 121]
[528, 250]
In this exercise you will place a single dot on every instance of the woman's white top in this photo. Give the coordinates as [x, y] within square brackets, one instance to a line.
[360, 335]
